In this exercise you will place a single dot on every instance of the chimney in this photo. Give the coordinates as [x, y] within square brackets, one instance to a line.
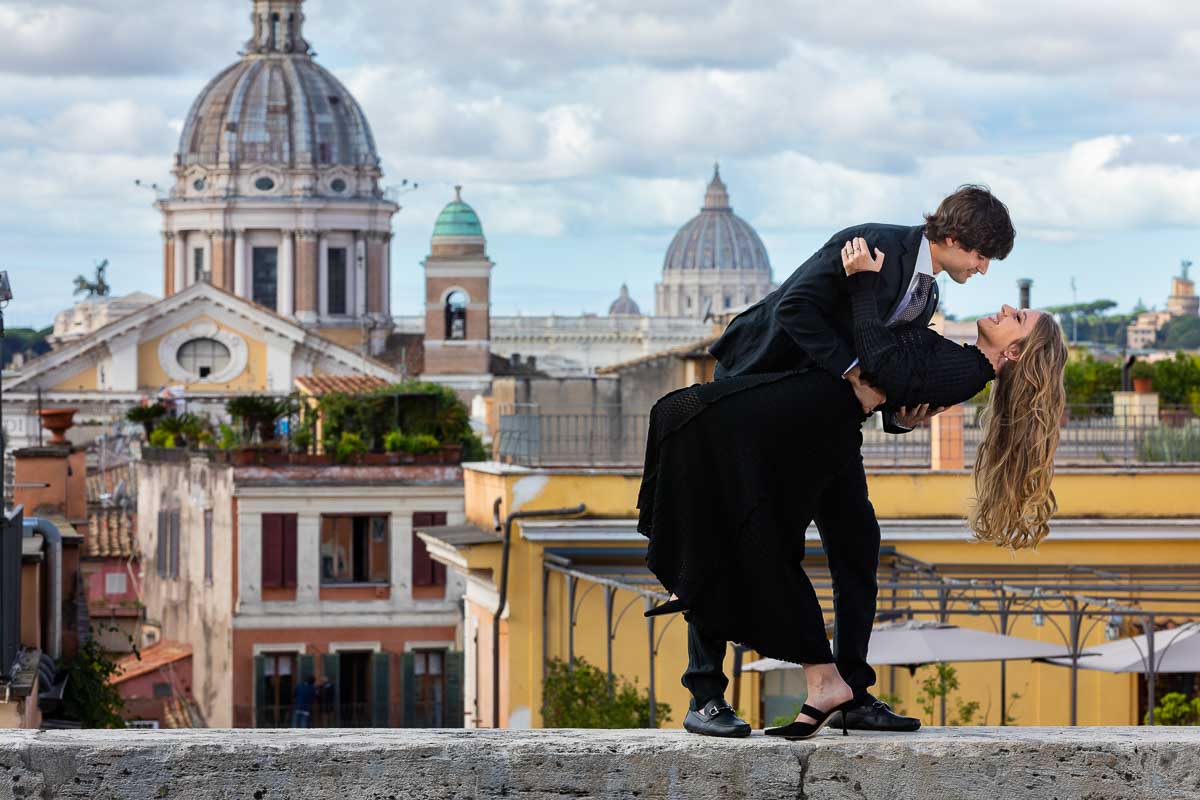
[1023, 286]
[52, 479]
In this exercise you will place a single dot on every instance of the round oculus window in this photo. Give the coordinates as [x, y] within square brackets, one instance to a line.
[203, 357]
[199, 184]
[338, 185]
[264, 184]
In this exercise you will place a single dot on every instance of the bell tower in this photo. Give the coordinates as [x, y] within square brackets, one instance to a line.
[458, 278]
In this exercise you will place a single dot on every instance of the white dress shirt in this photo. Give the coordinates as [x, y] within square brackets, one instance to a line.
[924, 267]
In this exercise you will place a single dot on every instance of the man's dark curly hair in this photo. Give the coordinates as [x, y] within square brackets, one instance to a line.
[974, 218]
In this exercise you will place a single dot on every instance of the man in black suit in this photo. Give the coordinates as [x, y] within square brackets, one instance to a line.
[806, 323]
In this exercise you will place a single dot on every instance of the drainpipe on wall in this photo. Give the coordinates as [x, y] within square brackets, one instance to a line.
[549, 512]
[54, 538]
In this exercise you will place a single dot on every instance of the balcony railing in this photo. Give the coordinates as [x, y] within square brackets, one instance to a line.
[1090, 435]
[590, 435]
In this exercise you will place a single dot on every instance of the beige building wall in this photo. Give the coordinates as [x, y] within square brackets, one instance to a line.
[192, 608]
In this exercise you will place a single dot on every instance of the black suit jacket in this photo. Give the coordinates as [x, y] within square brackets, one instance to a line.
[807, 321]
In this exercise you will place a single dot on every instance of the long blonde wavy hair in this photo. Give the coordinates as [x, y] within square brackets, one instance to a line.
[1014, 465]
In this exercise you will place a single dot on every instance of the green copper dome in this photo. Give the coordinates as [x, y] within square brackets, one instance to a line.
[458, 219]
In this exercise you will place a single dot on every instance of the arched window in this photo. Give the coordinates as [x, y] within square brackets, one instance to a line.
[275, 32]
[456, 315]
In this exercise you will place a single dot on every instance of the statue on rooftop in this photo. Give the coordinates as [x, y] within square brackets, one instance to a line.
[96, 288]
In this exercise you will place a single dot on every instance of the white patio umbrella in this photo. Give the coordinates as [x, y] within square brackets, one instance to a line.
[1175, 650]
[914, 642]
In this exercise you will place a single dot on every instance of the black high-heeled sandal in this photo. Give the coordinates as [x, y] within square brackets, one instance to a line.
[806, 730]
[670, 607]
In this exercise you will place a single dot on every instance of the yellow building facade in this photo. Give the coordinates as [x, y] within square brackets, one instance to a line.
[1113, 521]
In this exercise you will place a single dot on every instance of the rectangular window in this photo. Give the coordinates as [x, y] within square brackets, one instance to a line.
[336, 287]
[278, 551]
[429, 678]
[426, 571]
[197, 264]
[208, 546]
[115, 583]
[162, 544]
[265, 261]
[278, 690]
[173, 543]
[354, 549]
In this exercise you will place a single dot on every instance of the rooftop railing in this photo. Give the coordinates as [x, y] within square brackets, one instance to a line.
[1089, 435]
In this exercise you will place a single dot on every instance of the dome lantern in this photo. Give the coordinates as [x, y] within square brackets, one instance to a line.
[716, 198]
[278, 28]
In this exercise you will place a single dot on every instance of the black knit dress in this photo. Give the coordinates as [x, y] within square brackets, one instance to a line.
[734, 469]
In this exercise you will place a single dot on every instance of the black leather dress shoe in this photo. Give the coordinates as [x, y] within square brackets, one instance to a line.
[875, 715]
[717, 718]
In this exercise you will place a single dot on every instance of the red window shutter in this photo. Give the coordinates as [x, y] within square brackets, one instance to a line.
[422, 564]
[288, 535]
[272, 551]
[438, 573]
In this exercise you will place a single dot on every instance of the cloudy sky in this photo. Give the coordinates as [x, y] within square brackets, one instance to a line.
[584, 131]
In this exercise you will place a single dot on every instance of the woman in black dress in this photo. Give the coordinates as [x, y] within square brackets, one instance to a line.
[734, 469]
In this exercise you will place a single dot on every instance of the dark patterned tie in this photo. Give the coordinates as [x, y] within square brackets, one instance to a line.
[918, 301]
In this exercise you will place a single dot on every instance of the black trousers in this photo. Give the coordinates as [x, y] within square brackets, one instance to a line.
[850, 537]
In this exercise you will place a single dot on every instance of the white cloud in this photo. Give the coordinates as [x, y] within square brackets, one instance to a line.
[570, 119]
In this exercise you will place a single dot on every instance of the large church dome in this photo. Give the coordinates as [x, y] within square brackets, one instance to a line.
[277, 196]
[277, 109]
[716, 262]
[717, 238]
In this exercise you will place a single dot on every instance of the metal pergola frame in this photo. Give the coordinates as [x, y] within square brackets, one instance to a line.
[909, 587]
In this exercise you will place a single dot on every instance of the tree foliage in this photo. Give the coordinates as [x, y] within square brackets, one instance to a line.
[1090, 382]
[90, 699]
[585, 697]
[1181, 333]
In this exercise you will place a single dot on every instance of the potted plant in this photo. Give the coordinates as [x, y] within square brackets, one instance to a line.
[147, 416]
[350, 448]
[395, 444]
[258, 412]
[1143, 377]
[424, 447]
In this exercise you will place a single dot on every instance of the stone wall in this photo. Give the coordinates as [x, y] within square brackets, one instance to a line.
[1026, 763]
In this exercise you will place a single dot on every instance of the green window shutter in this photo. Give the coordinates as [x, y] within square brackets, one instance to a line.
[260, 676]
[331, 669]
[381, 670]
[410, 691]
[453, 712]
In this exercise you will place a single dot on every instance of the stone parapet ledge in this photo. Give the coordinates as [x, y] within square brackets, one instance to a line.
[941, 763]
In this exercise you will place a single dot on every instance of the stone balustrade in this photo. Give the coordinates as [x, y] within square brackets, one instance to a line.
[941, 763]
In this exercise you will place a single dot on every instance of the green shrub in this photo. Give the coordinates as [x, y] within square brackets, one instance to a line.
[146, 415]
[1090, 383]
[585, 697]
[1176, 709]
[474, 448]
[421, 443]
[161, 438]
[394, 441]
[229, 437]
[349, 446]
[1165, 443]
